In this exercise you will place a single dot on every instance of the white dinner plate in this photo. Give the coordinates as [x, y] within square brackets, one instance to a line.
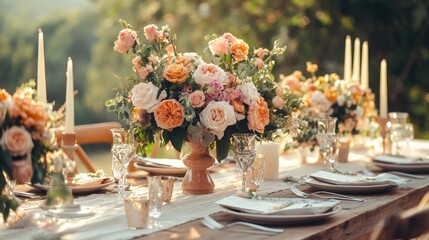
[77, 189]
[161, 170]
[70, 212]
[282, 219]
[338, 188]
[410, 168]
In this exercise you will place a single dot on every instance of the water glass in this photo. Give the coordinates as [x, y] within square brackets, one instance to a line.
[256, 173]
[326, 142]
[244, 153]
[155, 199]
[167, 188]
[326, 125]
[136, 211]
[123, 151]
[398, 134]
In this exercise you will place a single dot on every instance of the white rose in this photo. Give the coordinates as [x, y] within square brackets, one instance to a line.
[249, 92]
[193, 57]
[208, 72]
[217, 116]
[144, 96]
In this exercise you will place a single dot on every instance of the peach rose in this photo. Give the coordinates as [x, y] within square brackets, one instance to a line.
[176, 73]
[208, 72]
[126, 39]
[32, 114]
[292, 82]
[218, 46]
[297, 74]
[239, 50]
[311, 67]
[260, 52]
[17, 141]
[144, 96]
[170, 49]
[278, 102]
[197, 98]
[259, 63]
[217, 116]
[169, 114]
[151, 32]
[237, 105]
[258, 115]
[22, 170]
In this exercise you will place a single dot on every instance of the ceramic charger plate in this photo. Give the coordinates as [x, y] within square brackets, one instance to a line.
[77, 189]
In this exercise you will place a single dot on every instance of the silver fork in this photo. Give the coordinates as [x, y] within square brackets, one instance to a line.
[323, 194]
[213, 224]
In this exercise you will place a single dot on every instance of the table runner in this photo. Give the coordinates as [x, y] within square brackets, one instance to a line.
[109, 221]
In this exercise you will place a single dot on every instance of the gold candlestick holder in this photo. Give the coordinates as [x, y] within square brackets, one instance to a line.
[382, 122]
[69, 147]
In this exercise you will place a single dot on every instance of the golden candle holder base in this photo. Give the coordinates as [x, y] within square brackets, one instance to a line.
[382, 121]
[69, 146]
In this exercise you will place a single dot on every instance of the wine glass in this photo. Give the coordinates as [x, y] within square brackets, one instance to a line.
[244, 153]
[123, 151]
[326, 142]
[326, 125]
[256, 172]
[155, 199]
[409, 134]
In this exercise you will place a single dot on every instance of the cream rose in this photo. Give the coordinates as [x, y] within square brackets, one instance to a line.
[197, 98]
[17, 141]
[126, 39]
[206, 73]
[144, 96]
[217, 116]
[249, 91]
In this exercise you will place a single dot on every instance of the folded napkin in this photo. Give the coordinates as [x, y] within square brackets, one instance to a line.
[285, 207]
[358, 179]
[395, 159]
[161, 162]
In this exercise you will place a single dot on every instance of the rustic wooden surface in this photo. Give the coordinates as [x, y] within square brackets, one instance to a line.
[354, 221]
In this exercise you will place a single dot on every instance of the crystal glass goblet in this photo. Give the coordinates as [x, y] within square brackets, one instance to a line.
[326, 125]
[256, 172]
[397, 132]
[244, 153]
[326, 142]
[123, 151]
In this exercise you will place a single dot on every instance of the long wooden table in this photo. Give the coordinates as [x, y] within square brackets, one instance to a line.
[356, 220]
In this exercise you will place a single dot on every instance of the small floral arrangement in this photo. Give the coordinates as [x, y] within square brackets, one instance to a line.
[177, 97]
[25, 139]
[328, 95]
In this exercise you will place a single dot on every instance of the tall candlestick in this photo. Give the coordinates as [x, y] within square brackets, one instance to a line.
[356, 60]
[41, 78]
[348, 59]
[383, 89]
[69, 128]
[364, 71]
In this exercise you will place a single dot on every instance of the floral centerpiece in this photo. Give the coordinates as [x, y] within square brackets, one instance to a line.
[25, 139]
[328, 96]
[178, 97]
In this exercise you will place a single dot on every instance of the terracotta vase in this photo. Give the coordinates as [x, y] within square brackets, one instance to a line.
[197, 179]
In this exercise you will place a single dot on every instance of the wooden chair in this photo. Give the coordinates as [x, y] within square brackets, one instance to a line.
[413, 223]
[90, 134]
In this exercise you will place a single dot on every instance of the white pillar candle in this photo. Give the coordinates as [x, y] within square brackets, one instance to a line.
[69, 122]
[383, 89]
[271, 151]
[365, 65]
[41, 78]
[348, 59]
[356, 61]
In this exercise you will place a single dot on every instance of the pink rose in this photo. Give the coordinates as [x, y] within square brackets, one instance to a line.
[144, 96]
[292, 82]
[17, 141]
[229, 37]
[260, 52]
[218, 46]
[197, 98]
[217, 116]
[259, 63]
[126, 39]
[232, 93]
[278, 102]
[207, 72]
[151, 32]
[22, 170]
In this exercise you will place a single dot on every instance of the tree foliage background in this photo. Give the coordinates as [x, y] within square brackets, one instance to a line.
[312, 30]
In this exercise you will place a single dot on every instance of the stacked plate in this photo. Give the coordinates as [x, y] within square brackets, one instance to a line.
[87, 187]
[358, 183]
[279, 211]
[402, 163]
[161, 166]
